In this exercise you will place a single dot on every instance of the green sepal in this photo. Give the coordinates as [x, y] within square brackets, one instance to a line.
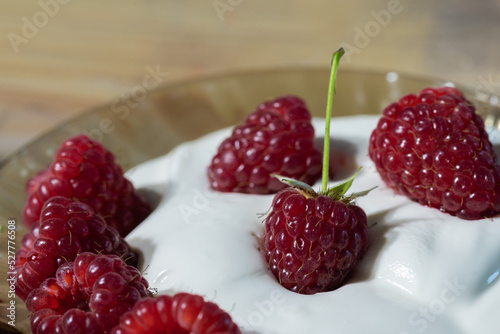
[306, 189]
[353, 196]
[336, 193]
[361, 193]
[340, 190]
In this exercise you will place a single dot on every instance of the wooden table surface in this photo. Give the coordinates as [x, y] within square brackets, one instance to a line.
[59, 58]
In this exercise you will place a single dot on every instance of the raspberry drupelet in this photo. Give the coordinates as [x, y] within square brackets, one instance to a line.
[276, 138]
[434, 149]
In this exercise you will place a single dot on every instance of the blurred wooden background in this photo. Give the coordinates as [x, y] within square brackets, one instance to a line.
[61, 57]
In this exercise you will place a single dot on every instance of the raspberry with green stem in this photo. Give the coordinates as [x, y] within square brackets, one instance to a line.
[313, 240]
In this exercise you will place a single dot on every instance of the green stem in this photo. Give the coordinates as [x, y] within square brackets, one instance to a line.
[331, 90]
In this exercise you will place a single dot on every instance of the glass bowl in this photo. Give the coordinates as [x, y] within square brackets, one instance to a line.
[150, 123]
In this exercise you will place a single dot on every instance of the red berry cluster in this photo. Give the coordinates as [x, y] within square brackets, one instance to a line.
[276, 138]
[88, 295]
[312, 243]
[83, 169]
[74, 269]
[433, 148]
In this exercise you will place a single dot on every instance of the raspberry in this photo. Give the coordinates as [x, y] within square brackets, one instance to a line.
[312, 243]
[276, 138]
[88, 295]
[66, 229]
[83, 169]
[433, 148]
[182, 313]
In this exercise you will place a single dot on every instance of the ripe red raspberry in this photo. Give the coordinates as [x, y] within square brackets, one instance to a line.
[433, 148]
[312, 242]
[88, 295]
[182, 313]
[276, 138]
[66, 229]
[83, 169]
